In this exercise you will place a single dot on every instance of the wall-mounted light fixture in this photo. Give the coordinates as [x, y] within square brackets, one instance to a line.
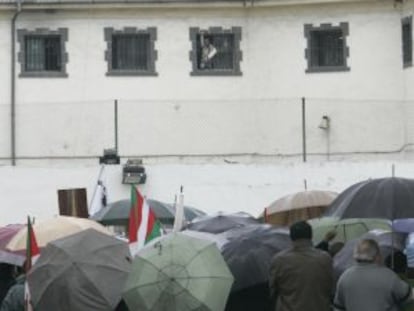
[325, 123]
[133, 172]
[110, 156]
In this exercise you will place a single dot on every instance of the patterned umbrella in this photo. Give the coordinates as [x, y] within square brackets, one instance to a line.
[6, 256]
[299, 206]
[53, 229]
[178, 273]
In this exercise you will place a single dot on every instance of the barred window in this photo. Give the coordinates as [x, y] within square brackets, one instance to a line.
[216, 51]
[42, 52]
[130, 51]
[327, 50]
[407, 43]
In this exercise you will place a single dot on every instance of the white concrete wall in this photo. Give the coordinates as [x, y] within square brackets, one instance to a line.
[177, 114]
[211, 188]
[5, 73]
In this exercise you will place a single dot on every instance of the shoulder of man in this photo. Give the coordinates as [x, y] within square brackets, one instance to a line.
[282, 255]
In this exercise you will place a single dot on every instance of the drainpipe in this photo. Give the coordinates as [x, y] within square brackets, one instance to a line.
[13, 83]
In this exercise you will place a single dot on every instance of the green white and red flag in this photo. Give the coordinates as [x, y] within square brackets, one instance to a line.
[143, 224]
[32, 254]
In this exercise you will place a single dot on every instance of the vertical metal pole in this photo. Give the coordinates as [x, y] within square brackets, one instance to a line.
[13, 86]
[116, 124]
[303, 129]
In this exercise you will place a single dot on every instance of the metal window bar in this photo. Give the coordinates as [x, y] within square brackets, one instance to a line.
[407, 43]
[224, 44]
[34, 53]
[52, 53]
[43, 53]
[327, 48]
[130, 52]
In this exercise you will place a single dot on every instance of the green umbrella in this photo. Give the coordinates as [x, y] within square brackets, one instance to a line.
[347, 229]
[178, 273]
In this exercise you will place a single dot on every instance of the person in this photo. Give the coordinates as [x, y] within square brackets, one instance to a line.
[14, 300]
[335, 248]
[324, 244]
[7, 279]
[208, 51]
[301, 277]
[369, 285]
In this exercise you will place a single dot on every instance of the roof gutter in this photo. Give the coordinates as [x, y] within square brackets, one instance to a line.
[13, 84]
[171, 4]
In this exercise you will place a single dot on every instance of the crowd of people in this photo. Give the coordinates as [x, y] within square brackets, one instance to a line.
[302, 279]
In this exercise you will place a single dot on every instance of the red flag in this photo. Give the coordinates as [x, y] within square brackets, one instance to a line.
[32, 253]
[32, 250]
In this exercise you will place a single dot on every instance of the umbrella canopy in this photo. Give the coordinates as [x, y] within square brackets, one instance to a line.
[249, 253]
[389, 198]
[299, 206]
[53, 229]
[6, 256]
[346, 229]
[221, 222]
[388, 242]
[84, 271]
[117, 213]
[403, 225]
[178, 273]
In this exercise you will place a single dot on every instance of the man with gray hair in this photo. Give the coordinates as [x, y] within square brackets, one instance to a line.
[368, 285]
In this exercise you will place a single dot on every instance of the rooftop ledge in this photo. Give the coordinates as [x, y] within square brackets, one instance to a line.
[104, 4]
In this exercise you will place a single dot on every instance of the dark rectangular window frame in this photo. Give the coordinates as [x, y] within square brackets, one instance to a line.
[407, 21]
[152, 53]
[62, 33]
[237, 54]
[308, 29]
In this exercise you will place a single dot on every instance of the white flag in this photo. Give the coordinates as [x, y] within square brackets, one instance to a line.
[179, 213]
[99, 199]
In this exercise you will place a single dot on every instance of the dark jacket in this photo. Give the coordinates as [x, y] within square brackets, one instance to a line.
[14, 300]
[301, 278]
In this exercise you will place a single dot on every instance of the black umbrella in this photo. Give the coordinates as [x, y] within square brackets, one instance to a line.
[390, 198]
[389, 242]
[221, 222]
[248, 254]
[117, 213]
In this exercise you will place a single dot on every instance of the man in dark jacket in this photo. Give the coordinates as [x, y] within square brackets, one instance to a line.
[301, 278]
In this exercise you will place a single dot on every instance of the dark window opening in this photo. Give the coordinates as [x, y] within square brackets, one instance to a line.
[130, 51]
[327, 48]
[407, 42]
[43, 53]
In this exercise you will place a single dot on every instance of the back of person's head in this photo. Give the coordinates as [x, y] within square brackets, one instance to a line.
[300, 230]
[397, 261]
[367, 250]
